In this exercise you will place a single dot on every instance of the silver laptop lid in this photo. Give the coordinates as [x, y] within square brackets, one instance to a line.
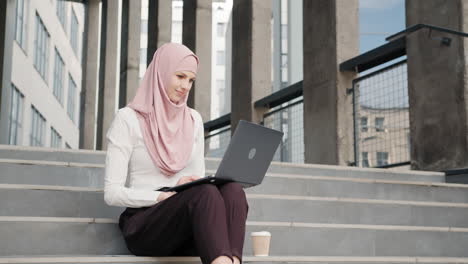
[249, 153]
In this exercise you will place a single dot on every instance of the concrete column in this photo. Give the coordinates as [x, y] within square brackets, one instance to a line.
[196, 35]
[112, 69]
[251, 59]
[90, 75]
[159, 26]
[7, 33]
[437, 85]
[133, 49]
[330, 36]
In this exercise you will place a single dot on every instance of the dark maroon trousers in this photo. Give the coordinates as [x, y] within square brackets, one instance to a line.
[205, 220]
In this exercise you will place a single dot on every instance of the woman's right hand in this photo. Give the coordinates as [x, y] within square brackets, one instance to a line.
[164, 195]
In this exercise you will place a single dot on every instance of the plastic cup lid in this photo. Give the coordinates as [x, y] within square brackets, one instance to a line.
[261, 233]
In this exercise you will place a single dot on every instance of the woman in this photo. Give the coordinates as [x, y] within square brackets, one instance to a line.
[157, 140]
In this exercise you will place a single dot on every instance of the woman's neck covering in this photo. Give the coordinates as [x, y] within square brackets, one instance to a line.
[167, 128]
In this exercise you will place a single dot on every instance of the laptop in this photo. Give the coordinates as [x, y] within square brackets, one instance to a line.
[246, 159]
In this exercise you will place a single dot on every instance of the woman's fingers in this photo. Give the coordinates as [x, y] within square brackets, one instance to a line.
[184, 179]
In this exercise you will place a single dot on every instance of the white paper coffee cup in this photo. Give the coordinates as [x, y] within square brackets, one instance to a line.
[261, 243]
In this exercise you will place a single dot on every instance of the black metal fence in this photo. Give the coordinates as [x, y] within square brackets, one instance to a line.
[381, 117]
[218, 141]
[288, 118]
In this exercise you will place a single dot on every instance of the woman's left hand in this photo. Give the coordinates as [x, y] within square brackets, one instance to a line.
[186, 179]
[194, 178]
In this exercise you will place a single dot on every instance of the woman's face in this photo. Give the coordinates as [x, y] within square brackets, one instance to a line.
[180, 84]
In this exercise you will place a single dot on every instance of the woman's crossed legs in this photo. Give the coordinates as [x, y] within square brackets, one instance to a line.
[204, 220]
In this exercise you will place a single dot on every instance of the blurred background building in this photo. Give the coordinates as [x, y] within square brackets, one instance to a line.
[46, 74]
[72, 64]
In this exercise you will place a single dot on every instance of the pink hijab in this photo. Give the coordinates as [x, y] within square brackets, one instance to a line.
[167, 127]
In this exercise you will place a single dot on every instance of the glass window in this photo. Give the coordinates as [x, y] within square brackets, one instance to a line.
[177, 13]
[58, 77]
[37, 128]
[364, 127]
[55, 138]
[365, 159]
[144, 26]
[220, 84]
[284, 70]
[71, 98]
[42, 48]
[62, 12]
[284, 31]
[382, 158]
[74, 33]
[379, 124]
[220, 57]
[220, 30]
[20, 33]
[15, 117]
[176, 31]
[143, 52]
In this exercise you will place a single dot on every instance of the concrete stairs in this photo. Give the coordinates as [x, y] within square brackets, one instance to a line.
[52, 211]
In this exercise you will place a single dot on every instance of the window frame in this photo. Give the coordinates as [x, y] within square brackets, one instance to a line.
[41, 43]
[379, 127]
[379, 156]
[15, 117]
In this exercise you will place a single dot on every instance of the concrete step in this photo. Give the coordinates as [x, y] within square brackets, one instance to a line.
[113, 259]
[52, 154]
[55, 201]
[51, 173]
[91, 175]
[81, 202]
[98, 157]
[94, 236]
[344, 171]
[361, 188]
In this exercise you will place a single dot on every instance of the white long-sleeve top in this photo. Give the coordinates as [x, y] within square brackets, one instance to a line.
[131, 177]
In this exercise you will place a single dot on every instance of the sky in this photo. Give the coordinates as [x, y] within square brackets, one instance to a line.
[378, 19]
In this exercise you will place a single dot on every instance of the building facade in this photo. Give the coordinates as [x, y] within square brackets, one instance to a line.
[46, 74]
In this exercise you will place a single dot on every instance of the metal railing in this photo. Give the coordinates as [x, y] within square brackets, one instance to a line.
[218, 142]
[285, 114]
[288, 118]
[381, 117]
[380, 107]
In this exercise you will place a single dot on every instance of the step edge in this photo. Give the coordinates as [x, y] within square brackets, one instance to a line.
[131, 258]
[277, 175]
[248, 223]
[338, 167]
[311, 166]
[47, 149]
[269, 197]
[52, 163]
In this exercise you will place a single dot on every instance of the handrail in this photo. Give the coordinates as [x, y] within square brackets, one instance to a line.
[218, 123]
[217, 133]
[282, 108]
[417, 27]
[393, 165]
[375, 57]
[277, 98]
[380, 70]
[282, 96]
